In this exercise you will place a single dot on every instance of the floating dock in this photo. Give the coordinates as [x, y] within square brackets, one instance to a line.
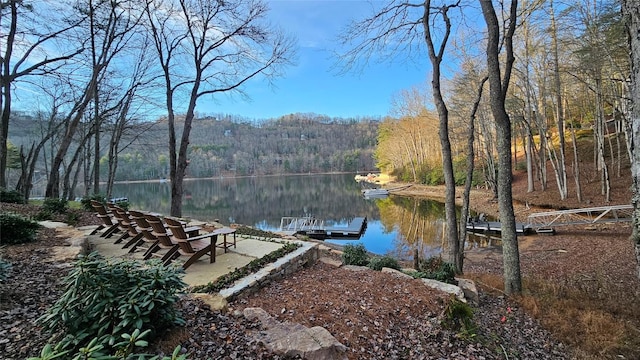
[315, 228]
[494, 227]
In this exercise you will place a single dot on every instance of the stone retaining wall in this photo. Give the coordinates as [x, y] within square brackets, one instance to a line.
[304, 256]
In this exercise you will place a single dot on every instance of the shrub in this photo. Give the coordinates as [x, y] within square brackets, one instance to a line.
[437, 269]
[17, 229]
[43, 215]
[94, 350]
[123, 204]
[435, 176]
[11, 196]
[72, 217]
[55, 206]
[355, 255]
[86, 201]
[378, 262]
[459, 317]
[105, 299]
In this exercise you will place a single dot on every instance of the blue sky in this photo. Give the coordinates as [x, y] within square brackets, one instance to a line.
[313, 85]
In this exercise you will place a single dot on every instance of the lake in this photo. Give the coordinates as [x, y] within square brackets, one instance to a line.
[395, 225]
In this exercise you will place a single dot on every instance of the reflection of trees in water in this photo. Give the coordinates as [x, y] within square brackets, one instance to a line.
[420, 225]
[255, 199]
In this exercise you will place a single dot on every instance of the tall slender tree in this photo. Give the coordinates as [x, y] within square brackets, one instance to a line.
[631, 11]
[498, 86]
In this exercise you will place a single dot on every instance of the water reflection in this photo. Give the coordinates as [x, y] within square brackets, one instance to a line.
[396, 225]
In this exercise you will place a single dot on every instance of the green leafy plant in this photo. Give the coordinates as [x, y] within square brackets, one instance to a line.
[379, 262]
[355, 254]
[124, 204]
[437, 269]
[458, 316]
[94, 350]
[55, 206]
[105, 299]
[11, 196]
[17, 229]
[72, 217]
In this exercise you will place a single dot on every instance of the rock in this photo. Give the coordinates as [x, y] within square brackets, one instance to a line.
[355, 268]
[215, 302]
[330, 261]
[469, 289]
[53, 224]
[290, 340]
[448, 288]
[63, 253]
[396, 273]
[81, 242]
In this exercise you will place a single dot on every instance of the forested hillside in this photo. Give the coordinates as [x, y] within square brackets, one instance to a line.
[227, 146]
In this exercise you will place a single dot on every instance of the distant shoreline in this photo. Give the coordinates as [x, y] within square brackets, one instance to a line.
[236, 177]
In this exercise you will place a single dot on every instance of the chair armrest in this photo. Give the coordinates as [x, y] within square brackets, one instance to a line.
[203, 236]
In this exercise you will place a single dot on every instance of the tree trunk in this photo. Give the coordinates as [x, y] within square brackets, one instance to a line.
[443, 115]
[561, 168]
[177, 181]
[576, 165]
[605, 183]
[631, 11]
[529, 117]
[498, 86]
[464, 212]
[53, 183]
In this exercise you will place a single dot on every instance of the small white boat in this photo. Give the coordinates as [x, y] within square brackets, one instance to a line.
[375, 192]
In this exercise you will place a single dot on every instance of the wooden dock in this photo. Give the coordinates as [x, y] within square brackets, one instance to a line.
[494, 227]
[315, 228]
[355, 228]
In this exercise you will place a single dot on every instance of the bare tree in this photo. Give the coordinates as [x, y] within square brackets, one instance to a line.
[25, 38]
[559, 163]
[49, 126]
[111, 33]
[498, 86]
[225, 43]
[405, 26]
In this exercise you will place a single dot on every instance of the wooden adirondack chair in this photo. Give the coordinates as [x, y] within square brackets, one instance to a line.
[107, 219]
[194, 247]
[146, 230]
[127, 225]
[160, 232]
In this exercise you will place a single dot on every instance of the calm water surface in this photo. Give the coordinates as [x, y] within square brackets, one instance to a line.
[396, 225]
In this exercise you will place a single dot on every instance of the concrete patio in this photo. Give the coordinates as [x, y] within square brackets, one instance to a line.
[202, 272]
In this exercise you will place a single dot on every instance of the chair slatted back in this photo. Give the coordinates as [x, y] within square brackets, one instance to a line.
[143, 225]
[159, 231]
[102, 212]
[125, 220]
[179, 235]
